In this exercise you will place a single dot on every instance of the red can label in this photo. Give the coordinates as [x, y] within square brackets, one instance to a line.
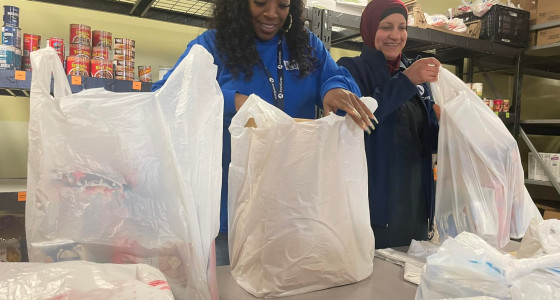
[31, 42]
[119, 77]
[58, 45]
[80, 50]
[100, 52]
[80, 34]
[498, 105]
[102, 39]
[76, 65]
[101, 68]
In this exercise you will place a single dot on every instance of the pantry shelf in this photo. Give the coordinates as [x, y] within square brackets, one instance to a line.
[18, 84]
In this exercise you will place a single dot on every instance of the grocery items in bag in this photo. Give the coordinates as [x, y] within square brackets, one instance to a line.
[111, 177]
[297, 201]
[480, 185]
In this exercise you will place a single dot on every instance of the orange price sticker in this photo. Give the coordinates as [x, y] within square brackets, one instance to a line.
[136, 85]
[20, 75]
[21, 196]
[76, 80]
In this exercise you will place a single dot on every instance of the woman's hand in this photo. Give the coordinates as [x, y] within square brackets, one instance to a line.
[423, 70]
[437, 111]
[239, 100]
[343, 99]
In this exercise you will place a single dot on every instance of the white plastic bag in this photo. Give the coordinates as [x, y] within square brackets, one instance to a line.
[467, 266]
[82, 280]
[298, 205]
[542, 238]
[480, 186]
[111, 177]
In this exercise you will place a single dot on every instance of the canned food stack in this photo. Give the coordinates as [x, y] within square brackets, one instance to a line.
[123, 58]
[101, 65]
[79, 55]
[10, 50]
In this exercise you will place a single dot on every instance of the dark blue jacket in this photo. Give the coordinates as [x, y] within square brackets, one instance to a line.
[372, 75]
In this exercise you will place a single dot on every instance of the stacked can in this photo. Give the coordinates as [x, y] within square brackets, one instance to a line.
[79, 54]
[101, 65]
[31, 42]
[10, 50]
[123, 58]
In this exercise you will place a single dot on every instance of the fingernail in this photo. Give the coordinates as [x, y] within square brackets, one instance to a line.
[366, 129]
[375, 119]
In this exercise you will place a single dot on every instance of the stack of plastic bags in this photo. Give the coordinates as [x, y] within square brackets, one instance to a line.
[298, 205]
[480, 186]
[467, 266]
[128, 178]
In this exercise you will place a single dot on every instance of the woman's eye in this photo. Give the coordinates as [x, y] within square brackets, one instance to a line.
[284, 5]
[259, 3]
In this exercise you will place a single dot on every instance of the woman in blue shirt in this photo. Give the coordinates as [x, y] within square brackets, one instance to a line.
[262, 47]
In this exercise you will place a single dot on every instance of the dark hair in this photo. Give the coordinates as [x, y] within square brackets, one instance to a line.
[235, 37]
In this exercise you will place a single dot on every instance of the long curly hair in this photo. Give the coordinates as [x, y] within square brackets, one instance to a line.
[233, 23]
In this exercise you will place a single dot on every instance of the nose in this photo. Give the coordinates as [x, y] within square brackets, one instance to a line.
[394, 34]
[270, 10]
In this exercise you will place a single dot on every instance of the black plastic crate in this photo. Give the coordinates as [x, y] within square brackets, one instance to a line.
[504, 25]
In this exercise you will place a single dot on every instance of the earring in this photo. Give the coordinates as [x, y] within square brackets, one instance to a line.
[289, 25]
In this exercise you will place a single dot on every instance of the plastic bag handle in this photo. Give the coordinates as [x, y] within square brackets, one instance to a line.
[45, 62]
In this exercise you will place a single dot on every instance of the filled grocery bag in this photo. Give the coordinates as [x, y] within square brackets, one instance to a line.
[297, 203]
[127, 178]
[82, 280]
[480, 187]
[467, 266]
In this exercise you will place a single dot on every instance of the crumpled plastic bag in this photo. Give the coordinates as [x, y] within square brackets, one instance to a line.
[542, 238]
[82, 280]
[298, 205]
[467, 266]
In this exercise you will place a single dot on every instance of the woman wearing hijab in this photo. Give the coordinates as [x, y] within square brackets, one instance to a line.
[399, 151]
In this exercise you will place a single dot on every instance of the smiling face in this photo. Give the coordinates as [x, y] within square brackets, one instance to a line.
[391, 36]
[268, 16]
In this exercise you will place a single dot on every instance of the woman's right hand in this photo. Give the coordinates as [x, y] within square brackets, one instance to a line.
[423, 70]
[239, 100]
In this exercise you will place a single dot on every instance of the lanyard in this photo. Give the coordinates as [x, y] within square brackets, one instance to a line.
[278, 94]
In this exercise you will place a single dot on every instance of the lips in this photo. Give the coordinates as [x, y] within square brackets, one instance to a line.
[268, 28]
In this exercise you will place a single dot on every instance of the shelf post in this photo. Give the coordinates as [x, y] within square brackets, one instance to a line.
[517, 85]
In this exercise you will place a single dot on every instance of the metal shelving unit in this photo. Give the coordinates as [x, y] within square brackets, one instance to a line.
[542, 61]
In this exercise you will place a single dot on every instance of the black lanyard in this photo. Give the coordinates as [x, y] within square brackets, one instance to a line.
[278, 94]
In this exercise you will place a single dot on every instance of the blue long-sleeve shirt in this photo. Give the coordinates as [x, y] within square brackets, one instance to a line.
[301, 95]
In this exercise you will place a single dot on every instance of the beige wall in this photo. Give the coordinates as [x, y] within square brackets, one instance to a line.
[157, 44]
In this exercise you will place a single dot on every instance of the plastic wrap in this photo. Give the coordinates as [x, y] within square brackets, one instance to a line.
[127, 177]
[298, 205]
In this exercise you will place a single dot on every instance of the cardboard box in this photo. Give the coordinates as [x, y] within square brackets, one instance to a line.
[533, 17]
[548, 36]
[548, 214]
[548, 14]
[525, 4]
[546, 3]
[532, 38]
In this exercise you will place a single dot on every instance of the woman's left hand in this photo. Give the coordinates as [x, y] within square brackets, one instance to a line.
[343, 99]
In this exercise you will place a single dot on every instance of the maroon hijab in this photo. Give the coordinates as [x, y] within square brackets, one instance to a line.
[372, 15]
